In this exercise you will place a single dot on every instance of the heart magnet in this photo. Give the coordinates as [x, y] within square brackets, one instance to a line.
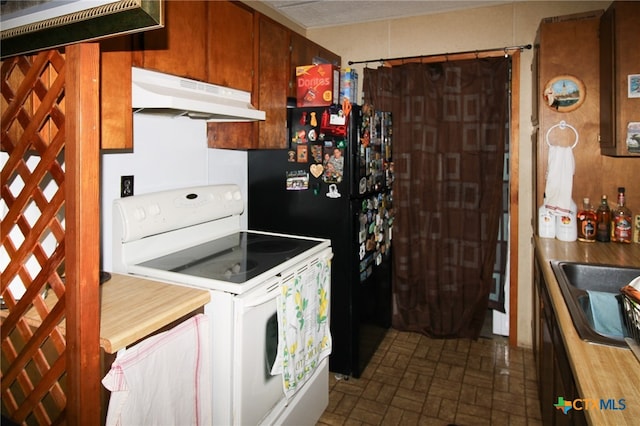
[316, 170]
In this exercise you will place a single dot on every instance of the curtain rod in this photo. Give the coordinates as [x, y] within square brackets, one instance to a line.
[506, 49]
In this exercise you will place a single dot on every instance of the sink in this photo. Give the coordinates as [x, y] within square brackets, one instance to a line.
[576, 279]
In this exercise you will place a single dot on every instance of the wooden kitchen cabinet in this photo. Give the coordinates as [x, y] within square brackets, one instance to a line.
[618, 59]
[230, 52]
[273, 82]
[180, 47]
[231, 62]
[269, 94]
[117, 56]
[221, 42]
[555, 377]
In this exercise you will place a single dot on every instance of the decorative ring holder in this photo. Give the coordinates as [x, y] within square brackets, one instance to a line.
[562, 125]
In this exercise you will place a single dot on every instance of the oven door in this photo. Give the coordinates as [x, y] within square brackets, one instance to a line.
[256, 391]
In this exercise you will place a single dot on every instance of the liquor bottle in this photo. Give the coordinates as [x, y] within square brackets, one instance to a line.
[587, 222]
[621, 220]
[603, 231]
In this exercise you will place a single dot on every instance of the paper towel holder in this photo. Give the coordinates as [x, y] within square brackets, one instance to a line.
[562, 125]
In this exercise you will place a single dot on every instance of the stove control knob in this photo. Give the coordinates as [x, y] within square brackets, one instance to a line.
[139, 214]
[154, 210]
[237, 196]
[228, 196]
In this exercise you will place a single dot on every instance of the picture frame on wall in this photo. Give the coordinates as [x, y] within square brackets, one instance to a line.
[633, 86]
[30, 26]
[564, 93]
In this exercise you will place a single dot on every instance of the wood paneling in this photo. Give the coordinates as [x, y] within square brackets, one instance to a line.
[83, 233]
[569, 45]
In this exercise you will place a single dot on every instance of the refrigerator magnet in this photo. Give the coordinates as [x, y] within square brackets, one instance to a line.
[297, 180]
[316, 170]
[333, 165]
[291, 156]
[333, 191]
[302, 153]
[316, 153]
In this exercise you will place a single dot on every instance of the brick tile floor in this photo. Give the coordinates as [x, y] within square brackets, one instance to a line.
[415, 380]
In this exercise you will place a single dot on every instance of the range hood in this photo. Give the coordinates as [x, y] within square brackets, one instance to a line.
[159, 93]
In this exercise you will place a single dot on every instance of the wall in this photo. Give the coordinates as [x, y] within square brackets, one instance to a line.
[168, 153]
[474, 29]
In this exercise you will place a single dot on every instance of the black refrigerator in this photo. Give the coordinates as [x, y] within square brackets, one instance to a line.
[335, 181]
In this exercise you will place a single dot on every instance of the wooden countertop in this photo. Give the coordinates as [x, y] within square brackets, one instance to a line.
[133, 308]
[600, 372]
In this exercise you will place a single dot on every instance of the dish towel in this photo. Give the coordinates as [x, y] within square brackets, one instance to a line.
[164, 380]
[605, 309]
[304, 339]
[560, 169]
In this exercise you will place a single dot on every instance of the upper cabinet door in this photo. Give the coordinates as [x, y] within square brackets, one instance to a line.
[619, 106]
[179, 48]
[273, 82]
[231, 59]
[116, 117]
[230, 54]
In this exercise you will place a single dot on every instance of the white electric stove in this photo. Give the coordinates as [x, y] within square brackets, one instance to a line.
[192, 237]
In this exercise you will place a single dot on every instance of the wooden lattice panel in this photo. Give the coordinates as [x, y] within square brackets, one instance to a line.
[33, 238]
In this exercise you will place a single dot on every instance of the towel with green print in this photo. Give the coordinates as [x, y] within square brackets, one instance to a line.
[304, 339]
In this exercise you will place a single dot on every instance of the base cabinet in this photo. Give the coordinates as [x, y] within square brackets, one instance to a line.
[555, 377]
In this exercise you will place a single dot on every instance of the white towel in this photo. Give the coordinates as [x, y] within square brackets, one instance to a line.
[560, 169]
[304, 339]
[164, 380]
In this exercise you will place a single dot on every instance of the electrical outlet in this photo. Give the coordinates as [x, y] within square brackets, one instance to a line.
[126, 186]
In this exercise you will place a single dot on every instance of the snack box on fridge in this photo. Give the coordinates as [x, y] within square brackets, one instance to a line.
[317, 85]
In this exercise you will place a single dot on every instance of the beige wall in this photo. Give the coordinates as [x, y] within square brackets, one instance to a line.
[473, 29]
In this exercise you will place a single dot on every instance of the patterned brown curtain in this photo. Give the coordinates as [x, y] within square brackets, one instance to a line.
[449, 142]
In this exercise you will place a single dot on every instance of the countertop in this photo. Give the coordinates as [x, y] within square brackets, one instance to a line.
[133, 308]
[600, 372]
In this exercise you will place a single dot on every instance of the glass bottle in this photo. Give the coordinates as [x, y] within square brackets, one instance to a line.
[587, 222]
[621, 221]
[603, 230]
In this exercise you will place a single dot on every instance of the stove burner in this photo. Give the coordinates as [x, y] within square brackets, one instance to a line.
[281, 246]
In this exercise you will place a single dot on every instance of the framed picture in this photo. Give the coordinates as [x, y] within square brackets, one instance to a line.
[29, 26]
[564, 93]
[634, 86]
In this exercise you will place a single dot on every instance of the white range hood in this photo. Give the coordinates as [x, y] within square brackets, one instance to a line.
[159, 93]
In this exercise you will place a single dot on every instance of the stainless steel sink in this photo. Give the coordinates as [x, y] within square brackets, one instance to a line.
[575, 279]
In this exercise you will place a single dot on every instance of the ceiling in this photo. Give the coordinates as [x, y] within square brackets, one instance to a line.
[324, 13]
